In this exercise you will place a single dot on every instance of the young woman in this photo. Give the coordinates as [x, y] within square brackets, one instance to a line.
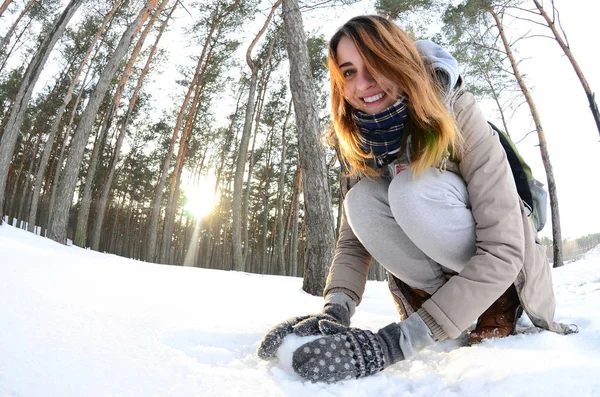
[436, 205]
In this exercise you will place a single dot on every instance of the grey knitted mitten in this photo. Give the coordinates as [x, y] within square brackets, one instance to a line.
[335, 318]
[352, 354]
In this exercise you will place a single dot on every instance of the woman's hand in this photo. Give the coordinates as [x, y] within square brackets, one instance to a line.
[334, 319]
[356, 353]
[353, 354]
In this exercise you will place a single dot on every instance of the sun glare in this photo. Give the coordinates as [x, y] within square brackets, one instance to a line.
[199, 197]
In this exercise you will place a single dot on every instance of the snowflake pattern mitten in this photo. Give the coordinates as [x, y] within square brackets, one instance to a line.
[352, 354]
[356, 353]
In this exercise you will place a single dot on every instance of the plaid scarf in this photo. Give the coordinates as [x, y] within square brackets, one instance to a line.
[381, 133]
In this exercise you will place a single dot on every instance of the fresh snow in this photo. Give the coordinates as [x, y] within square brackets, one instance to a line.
[75, 322]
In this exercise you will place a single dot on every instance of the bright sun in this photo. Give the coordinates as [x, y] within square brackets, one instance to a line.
[199, 197]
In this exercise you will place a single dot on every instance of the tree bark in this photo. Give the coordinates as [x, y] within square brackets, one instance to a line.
[238, 250]
[25, 191]
[295, 223]
[17, 115]
[565, 47]
[11, 31]
[246, 202]
[317, 197]
[207, 257]
[57, 119]
[39, 123]
[15, 181]
[556, 232]
[5, 6]
[95, 241]
[280, 257]
[80, 238]
[81, 230]
[237, 227]
[265, 263]
[58, 227]
[9, 53]
[65, 144]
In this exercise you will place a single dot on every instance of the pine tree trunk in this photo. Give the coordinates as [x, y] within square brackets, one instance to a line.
[17, 115]
[280, 257]
[175, 182]
[95, 240]
[205, 58]
[265, 263]
[81, 227]
[236, 236]
[556, 232]
[40, 122]
[152, 231]
[246, 202]
[9, 53]
[25, 191]
[317, 198]
[15, 182]
[295, 228]
[66, 142]
[207, 257]
[119, 250]
[58, 118]
[11, 31]
[242, 149]
[565, 47]
[288, 224]
[84, 211]
[117, 235]
[68, 179]
[4, 6]
[128, 233]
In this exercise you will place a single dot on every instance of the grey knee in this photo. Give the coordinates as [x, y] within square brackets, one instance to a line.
[412, 198]
[408, 195]
[363, 200]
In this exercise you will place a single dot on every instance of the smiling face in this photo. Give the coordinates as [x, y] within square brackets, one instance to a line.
[361, 90]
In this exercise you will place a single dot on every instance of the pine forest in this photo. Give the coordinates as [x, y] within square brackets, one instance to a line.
[196, 132]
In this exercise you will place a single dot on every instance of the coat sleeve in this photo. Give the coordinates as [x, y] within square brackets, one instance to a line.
[498, 226]
[350, 266]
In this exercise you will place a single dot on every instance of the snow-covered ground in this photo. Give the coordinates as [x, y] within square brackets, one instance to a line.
[79, 323]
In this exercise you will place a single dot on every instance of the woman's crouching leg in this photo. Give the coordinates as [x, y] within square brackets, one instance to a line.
[369, 214]
[434, 212]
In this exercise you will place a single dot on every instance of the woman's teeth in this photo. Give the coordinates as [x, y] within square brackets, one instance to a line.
[373, 98]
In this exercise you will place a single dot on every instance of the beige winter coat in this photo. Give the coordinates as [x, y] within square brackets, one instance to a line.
[508, 249]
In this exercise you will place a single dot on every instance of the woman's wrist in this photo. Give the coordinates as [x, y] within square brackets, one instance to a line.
[436, 330]
[343, 299]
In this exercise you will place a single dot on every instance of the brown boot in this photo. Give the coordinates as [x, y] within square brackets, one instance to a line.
[500, 319]
[416, 297]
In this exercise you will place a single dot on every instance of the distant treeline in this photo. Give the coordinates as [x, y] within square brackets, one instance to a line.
[574, 249]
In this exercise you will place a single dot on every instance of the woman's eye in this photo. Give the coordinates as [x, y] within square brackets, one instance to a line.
[348, 72]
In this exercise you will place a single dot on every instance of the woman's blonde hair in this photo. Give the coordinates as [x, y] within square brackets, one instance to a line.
[388, 51]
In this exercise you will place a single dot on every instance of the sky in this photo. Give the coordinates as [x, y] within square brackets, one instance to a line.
[76, 322]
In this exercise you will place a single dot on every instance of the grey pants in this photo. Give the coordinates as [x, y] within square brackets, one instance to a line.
[418, 229]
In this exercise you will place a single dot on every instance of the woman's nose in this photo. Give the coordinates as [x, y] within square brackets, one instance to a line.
[365, 81]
